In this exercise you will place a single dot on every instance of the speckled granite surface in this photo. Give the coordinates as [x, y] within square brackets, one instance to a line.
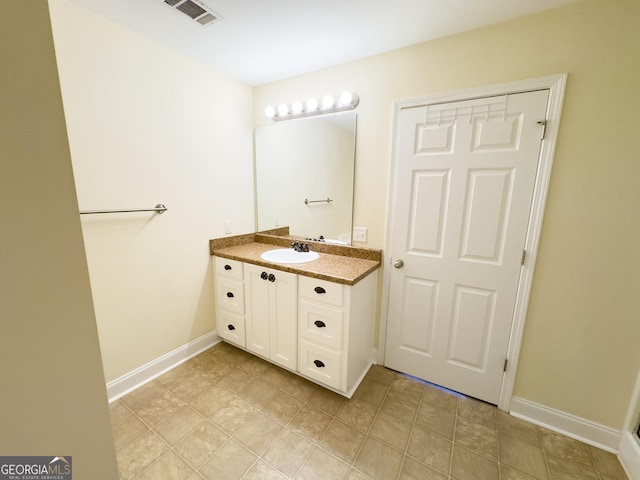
[341, 264]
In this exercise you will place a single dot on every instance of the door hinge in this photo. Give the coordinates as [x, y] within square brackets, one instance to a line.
[504, 367]
[544, 128]
[524, 256]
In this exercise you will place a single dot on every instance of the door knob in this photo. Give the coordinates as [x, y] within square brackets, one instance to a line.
[398, 263]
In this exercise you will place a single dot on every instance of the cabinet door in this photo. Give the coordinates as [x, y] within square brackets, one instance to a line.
[283, 342]
[257, 306]
[271, 314]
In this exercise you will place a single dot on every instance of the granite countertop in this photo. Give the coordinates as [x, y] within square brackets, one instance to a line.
[345, 265]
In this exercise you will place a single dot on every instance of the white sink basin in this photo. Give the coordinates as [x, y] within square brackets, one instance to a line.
[289, 255]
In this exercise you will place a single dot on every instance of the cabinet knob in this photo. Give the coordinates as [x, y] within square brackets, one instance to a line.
[227, 267]
[264, 275]
[319, 324]
[272, 277]
[231, 327]
[318, 363]
[229, 294]
[319, 290]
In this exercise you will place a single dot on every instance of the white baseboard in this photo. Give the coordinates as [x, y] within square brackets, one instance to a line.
[630, 455]
[586, 431]
[138, 377]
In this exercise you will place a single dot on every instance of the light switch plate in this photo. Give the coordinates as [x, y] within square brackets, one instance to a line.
[359, 234]
[227, 226]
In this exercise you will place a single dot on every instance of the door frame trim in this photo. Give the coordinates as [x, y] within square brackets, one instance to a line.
[556, 85]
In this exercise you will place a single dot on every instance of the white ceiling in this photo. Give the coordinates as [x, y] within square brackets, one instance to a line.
[260, 41]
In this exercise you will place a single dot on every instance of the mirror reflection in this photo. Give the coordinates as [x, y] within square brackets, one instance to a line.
[304, 176]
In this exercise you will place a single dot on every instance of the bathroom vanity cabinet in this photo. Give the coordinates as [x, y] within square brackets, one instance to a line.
[322, 330]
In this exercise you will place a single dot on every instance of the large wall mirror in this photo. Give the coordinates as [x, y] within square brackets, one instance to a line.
[304, 176]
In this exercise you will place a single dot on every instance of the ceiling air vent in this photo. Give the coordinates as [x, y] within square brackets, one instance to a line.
[195, 10]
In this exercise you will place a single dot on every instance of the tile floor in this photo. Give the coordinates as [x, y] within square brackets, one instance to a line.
[226, 415]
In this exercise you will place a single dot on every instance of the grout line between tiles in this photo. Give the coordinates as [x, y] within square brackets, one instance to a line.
[544, 452]
[453, 445]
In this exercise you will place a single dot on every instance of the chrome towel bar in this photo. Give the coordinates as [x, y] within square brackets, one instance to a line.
[307, 201]
[159, 208]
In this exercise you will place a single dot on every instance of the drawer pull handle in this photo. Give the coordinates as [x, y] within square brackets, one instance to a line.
[319, 290]
[231, 327]
[227, 267]
[264, 275]
[272, 277]
[318, 363]
[319, 324]
[229, 294]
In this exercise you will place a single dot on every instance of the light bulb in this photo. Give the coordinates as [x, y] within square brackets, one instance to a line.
[296, 107]
[270, 111]
[283, 110]
[328, 101]
[346, 98]
[312, 104]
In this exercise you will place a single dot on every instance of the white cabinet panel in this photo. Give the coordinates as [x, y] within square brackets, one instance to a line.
[231, 327]
[229, 295]
[322, 291]
[271, 314]
[227, 268]
[335, 324]
[321, 364]
[321, 324]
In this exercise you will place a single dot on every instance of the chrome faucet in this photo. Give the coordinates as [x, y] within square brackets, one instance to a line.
[300, 247]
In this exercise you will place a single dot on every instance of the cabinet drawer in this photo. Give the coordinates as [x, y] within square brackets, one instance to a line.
[231, 327]
[320, 363]
[225, 267]
[321, 290]
[321, 324]
[230, 295]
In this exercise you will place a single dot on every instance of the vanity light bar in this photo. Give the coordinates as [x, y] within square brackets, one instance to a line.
[328, 104]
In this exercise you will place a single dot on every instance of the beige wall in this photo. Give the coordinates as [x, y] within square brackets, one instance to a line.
[147, 125]
[580, 345]
[53, 399]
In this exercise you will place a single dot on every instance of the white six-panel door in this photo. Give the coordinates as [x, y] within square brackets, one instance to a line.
[464, 185]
